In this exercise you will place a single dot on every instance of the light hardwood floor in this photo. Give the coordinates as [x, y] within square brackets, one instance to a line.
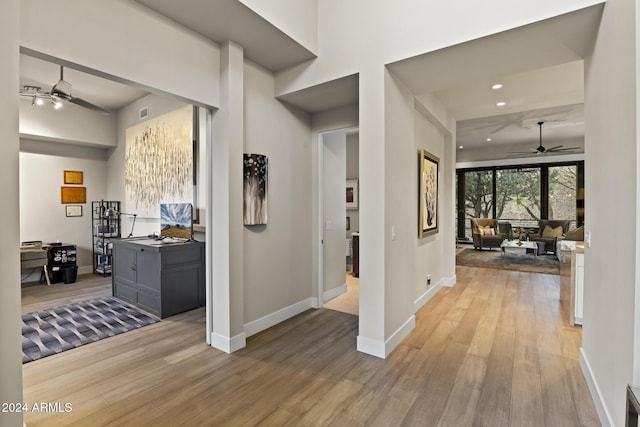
[494, 350]
[348, 302]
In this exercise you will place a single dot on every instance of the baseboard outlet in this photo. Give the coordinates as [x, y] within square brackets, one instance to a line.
[383, 349]
[332, 293]
[228, 345]
[276, 317]
[596, 394]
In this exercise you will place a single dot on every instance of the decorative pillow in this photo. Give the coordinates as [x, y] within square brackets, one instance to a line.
[486, 230]
[575, 234]
[550, 232]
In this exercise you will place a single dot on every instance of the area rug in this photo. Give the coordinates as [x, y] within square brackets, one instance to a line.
[470, 257]
[55, 330]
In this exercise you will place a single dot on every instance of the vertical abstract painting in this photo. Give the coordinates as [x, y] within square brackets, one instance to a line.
[159, 162]
[428, 197]
[255, 189]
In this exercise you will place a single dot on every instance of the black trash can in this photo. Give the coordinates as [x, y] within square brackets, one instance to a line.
[69, 274]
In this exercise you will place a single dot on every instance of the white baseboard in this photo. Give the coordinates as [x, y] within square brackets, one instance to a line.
[422, 300]
[276, 317]
[383, 349]
[332, 293]
[596, 394]
[372, 347]
[449, 282]
[228, 345]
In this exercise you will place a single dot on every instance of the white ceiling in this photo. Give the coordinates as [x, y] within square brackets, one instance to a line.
[540, 66]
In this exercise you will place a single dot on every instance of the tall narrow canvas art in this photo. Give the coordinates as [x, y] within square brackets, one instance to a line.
[428, 197]
[159, 162]
[255, 189]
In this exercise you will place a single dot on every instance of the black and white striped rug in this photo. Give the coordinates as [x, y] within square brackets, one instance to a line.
[55, 330]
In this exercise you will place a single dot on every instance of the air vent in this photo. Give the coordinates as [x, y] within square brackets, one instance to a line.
[144, 112]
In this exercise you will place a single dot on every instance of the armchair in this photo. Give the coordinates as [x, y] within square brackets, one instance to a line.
[485, 233]
[549, 232]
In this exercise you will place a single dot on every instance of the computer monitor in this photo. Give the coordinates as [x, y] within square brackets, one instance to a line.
[176, 220]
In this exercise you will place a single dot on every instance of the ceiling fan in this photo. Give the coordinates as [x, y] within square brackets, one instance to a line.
[542, 150]
[60, 91]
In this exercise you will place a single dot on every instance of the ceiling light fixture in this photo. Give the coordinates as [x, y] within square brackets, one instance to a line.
[461, 147]
[56, 104]
[496, 86]
[488, 139]
[501, 104]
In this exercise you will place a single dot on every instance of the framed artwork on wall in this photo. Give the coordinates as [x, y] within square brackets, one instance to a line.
[73, 195]
[428, 197]
[73, 177]
[73, 210]
[255, 195]
[352, 194]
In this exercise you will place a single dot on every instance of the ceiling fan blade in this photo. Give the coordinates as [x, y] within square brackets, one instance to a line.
[557, 147]
[555, 150]
[86, 104]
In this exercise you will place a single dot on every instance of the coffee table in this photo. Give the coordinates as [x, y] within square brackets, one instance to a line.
[517, 247]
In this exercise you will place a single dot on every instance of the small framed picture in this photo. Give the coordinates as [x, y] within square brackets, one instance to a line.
[73, 177]
[73, 210]
[352, 194]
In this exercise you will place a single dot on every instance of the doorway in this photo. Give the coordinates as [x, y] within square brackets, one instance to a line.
[338, 153]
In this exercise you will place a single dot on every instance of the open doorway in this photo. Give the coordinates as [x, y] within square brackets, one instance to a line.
[339, 213]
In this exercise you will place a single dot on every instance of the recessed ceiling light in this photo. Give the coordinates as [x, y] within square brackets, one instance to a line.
[461, 147]
[496, 86]
[488, 139]
[501, 104]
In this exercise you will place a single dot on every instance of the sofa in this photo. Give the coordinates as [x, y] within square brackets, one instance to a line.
[486, 233]
[549, 231]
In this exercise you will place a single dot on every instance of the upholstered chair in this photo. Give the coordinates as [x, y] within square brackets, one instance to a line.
[485, 233]
[549, 231]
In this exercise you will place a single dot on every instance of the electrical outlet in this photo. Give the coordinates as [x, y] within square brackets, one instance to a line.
[428, 279]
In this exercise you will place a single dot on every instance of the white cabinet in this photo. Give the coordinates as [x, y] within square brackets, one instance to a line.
[577, 285]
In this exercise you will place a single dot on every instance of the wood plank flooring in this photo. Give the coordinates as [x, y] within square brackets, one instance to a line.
[495, 350]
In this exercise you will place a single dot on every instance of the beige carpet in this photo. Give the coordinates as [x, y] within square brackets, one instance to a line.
[349, 301]
[485, 258]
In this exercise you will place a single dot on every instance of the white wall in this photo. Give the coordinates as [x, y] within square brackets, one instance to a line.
[611, 336]
[43, 217]
[10, 354]
[124, 39]
[277, 257]
[334, 172]
[296, 18]
[71, 123]
[382, 32]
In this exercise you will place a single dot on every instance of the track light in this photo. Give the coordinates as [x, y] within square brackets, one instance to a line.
[56, 104]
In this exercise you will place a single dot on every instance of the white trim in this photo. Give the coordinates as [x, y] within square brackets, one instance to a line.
[449, 282]
[228, 345]
[605, 417]
[422, 299]
[320, 178]
[383, 349]
[276, 317]
[332, 293]
[521, 161]
[400, 334]
[371, 347]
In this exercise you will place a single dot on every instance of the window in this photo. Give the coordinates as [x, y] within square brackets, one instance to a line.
[519, 195]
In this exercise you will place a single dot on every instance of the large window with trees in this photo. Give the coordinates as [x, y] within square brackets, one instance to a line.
[519, 195]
